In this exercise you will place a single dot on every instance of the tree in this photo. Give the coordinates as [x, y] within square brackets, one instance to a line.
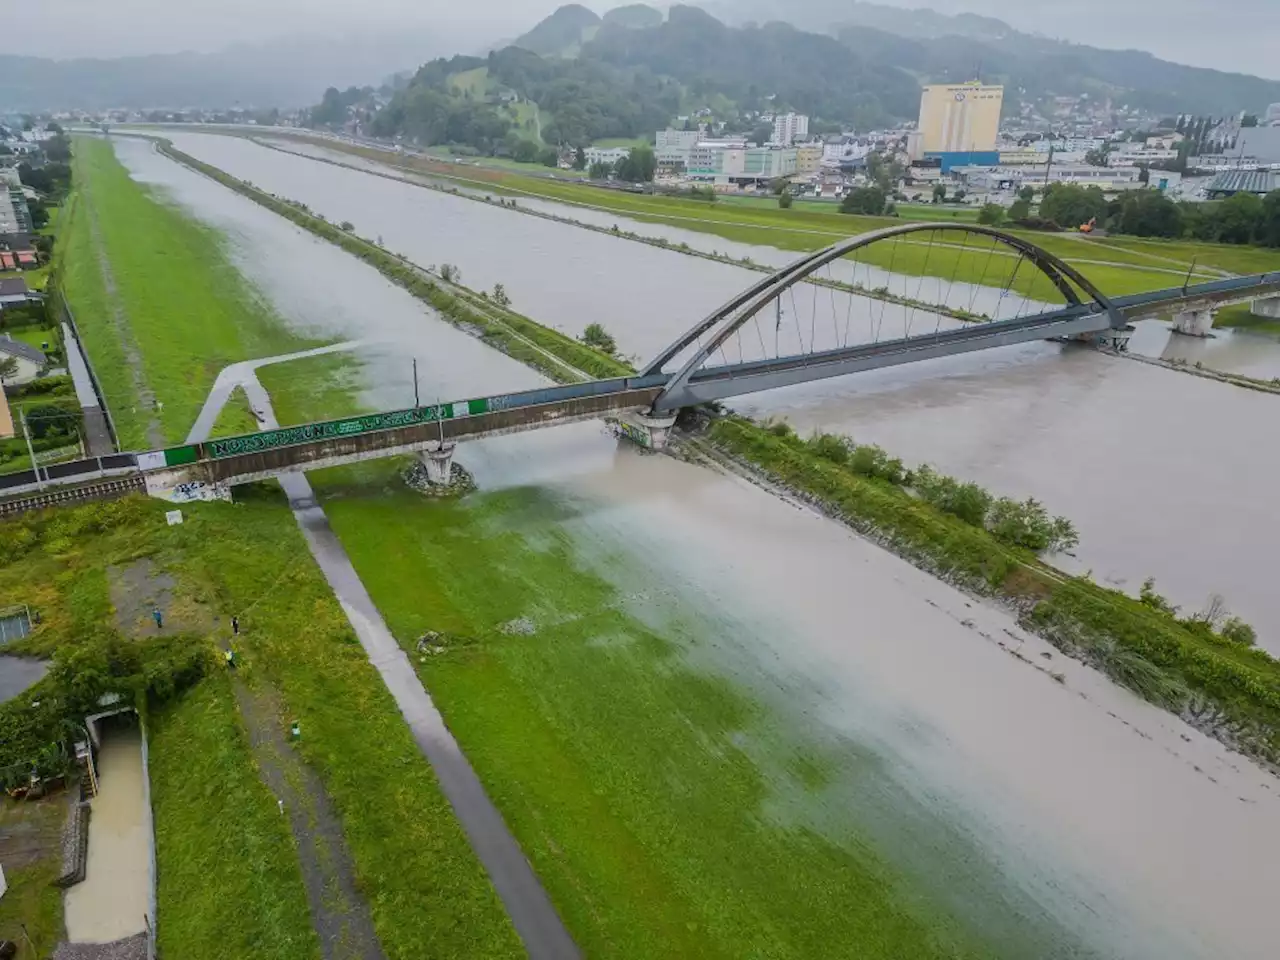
[8, 368]
[1269, 223]
[1248, 121]
[1239, 218]
[638, 166]
[53, 127]
[524, 151]
[784, 200]
[1071, 206]
[1144, 175]
[1098, 158]
[549, 157]
[939, 192]
[762, 134]
[991, 214]
[597, 337]
[600, 171]
[580, 159]
[1027, 193]
[1149, 213]
[500, 296]
[1020, 210]
[864, 200]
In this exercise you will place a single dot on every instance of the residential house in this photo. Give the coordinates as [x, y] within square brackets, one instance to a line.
[17, 252]
[31, 360]
[14, 293]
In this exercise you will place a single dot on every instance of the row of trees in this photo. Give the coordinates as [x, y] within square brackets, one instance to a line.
[1242, 219]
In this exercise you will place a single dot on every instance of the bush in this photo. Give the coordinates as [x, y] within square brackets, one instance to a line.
[1027, 524]
[966, 501]
[991, 214]
[784, 200]
[868, 460]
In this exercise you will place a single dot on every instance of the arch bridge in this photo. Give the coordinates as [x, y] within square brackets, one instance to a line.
[740, 348]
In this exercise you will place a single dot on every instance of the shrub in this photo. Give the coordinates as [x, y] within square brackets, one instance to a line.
[967, 501]
[1027, 524]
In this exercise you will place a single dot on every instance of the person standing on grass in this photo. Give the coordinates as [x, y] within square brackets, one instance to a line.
[235, 626]
[158, 617]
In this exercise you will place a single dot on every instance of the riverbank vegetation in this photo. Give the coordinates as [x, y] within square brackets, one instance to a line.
[1201, 667]
[93, 573]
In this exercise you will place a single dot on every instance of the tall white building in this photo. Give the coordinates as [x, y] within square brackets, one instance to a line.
[790, 127]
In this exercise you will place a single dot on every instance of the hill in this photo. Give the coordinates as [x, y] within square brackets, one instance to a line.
[938, 47]
[636, 16]
[771, 67]
[281, 73]
[561, 34]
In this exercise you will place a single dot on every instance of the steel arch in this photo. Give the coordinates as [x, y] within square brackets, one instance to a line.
[728, 318]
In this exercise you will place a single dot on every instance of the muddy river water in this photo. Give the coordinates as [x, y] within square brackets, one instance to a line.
[1059, 813]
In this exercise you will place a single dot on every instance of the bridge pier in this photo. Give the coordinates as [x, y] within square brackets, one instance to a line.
[1193, 323]
[1269, 308]
[438, 459]
[650, 431]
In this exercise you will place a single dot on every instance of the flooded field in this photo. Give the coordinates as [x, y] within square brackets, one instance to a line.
[1053, 812]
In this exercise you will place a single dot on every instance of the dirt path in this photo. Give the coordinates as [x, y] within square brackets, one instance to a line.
[338, 912]
[120, 326]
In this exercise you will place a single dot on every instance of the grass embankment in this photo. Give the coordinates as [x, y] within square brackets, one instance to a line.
[1116, 270]
[159, 305]
[218, 832]
[1242, 317]
[501, 328]
[1230, 690]
[214, 820]
[617, 765]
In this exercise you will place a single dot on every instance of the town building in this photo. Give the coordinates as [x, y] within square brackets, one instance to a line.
[10, 177]
[790, 127]
[609, 155]
[671, 148]
[1259, 182]
[990, 179]
[1140, 156]
[808, 157]
[1259, 143]
[14, 215]
[1273, 115]
[959, 124]
[740, 165]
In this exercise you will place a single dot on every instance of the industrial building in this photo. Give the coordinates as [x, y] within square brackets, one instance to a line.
[1259, 182]
[740, 165]
[1259, 143]
[959, 124]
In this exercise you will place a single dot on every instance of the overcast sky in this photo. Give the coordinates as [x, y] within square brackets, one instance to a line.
[1229, 34]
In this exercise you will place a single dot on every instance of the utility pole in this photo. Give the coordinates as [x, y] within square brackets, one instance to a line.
[416, 402]
[31, 451]
[1190, 270]
[1048, 167]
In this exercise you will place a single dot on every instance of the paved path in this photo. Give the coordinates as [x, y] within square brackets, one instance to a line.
[242, 373]
[527, 904]
[97, 435]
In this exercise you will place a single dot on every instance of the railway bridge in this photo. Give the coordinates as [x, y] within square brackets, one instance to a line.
[752, 343]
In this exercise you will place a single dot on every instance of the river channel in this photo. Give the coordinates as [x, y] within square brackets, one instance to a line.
[1058, 814]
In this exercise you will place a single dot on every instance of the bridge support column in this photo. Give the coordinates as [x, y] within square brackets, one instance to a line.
[1269, 308]
[438, 459]
[1193, 323]
[648, 430]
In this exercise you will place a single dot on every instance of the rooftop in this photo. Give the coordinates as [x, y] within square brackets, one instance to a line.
[23, 351]
[1244, 181]
[13, 288]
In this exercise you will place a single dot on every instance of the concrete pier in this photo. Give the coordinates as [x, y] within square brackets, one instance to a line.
[438, 459]
[648, 430]
[1193, 323]
[1268, 307]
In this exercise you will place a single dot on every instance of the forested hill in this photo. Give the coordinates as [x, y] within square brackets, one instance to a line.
[941, 48]
[618, 78]
[761, 68]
